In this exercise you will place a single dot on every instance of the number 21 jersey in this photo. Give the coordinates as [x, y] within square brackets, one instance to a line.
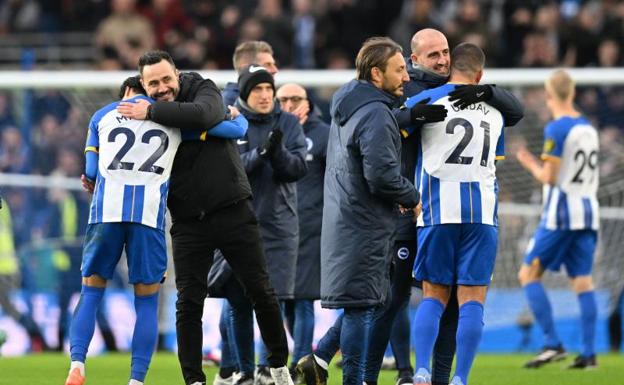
[571, 203]
[134, 166]
[455, 170]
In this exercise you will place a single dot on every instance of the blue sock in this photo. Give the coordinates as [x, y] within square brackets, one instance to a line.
[145, 334]
[469, 330]
[83, 322]
[427, 321]
[587, 300]
[540, 305]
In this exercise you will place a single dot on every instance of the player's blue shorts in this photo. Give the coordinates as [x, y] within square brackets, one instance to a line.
[462, 254]
[572, 248]
[146, 251]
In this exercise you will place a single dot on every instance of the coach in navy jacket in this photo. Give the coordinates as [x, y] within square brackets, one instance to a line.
[360, 193]
[272, 178]
[273, 166]
[362, 186]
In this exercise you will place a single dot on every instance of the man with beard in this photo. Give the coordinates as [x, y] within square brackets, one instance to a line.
[210, 208]
[428, 67]
[363, 186]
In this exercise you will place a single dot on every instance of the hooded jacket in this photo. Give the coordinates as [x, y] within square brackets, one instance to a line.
[310, 209]
[275, 197]
[363, 185]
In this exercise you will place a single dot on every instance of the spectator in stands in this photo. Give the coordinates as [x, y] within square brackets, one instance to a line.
[278, 30]
[226, 35]
[469, 25]
[50, 102]
[45, 141]
[538, 51]
[304, 25]
[14, 153]
[416, 15]
[19, 16]
[6, 111]
[609, 53]
[251, 29]
[167, 17]
[126, 31]
[518, 16]
[582, 35]
[10, 280]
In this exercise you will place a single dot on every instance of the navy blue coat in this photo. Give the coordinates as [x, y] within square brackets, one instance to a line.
[310, 209]
[363, 184]
[274, 198]
[275, 191]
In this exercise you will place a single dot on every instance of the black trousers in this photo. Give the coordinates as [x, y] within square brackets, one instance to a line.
[233, 230]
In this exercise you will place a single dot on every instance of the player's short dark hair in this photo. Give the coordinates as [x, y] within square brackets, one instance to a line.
[153, 57]
[134, 82]
[375, 52]
[467, 58]
[245, 53]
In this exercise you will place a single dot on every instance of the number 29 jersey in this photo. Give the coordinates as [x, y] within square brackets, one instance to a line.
[456, 171]
[571, 203]
[134, 166]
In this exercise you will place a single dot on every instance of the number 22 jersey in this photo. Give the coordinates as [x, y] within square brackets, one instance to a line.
[134, 166]
[571, 203]
[456, 171]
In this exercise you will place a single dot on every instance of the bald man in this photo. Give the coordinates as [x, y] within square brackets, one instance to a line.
[568, 231]
[428, 67]
[300, 311]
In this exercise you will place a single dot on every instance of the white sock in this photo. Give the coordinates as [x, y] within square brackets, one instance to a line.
[135, 382]
[79, 365]
[322, 363]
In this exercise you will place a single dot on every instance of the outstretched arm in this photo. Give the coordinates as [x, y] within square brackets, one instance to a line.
[499, 98]
[546, 172]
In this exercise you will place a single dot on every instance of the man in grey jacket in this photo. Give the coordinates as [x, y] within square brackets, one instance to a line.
[363, 187]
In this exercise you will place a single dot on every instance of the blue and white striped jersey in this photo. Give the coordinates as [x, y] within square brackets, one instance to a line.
[571, 203]
[456, 171]
[134, 166]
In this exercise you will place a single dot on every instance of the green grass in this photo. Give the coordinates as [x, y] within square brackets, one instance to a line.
[113, 370]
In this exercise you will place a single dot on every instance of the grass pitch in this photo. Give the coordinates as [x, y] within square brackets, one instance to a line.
[113, 369]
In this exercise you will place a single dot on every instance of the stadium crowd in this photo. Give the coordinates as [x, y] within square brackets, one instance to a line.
[43, 132]
[325, 34]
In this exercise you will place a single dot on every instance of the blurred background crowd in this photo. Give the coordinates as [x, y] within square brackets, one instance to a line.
[111, 34]
[42, 132]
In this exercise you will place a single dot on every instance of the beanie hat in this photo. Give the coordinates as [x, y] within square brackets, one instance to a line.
[252, 76]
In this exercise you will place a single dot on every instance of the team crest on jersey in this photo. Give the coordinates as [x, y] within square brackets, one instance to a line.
[403, 253]
[309, 145]
[549, 145]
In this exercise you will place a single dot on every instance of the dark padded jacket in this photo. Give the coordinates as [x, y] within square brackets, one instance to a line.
[207, 175]
[310, 209]
[363, 185]
[275, 198]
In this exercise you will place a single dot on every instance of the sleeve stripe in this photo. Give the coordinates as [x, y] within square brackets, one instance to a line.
[203, 135]
[550, 157]
[91, 148]
[500, 157]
